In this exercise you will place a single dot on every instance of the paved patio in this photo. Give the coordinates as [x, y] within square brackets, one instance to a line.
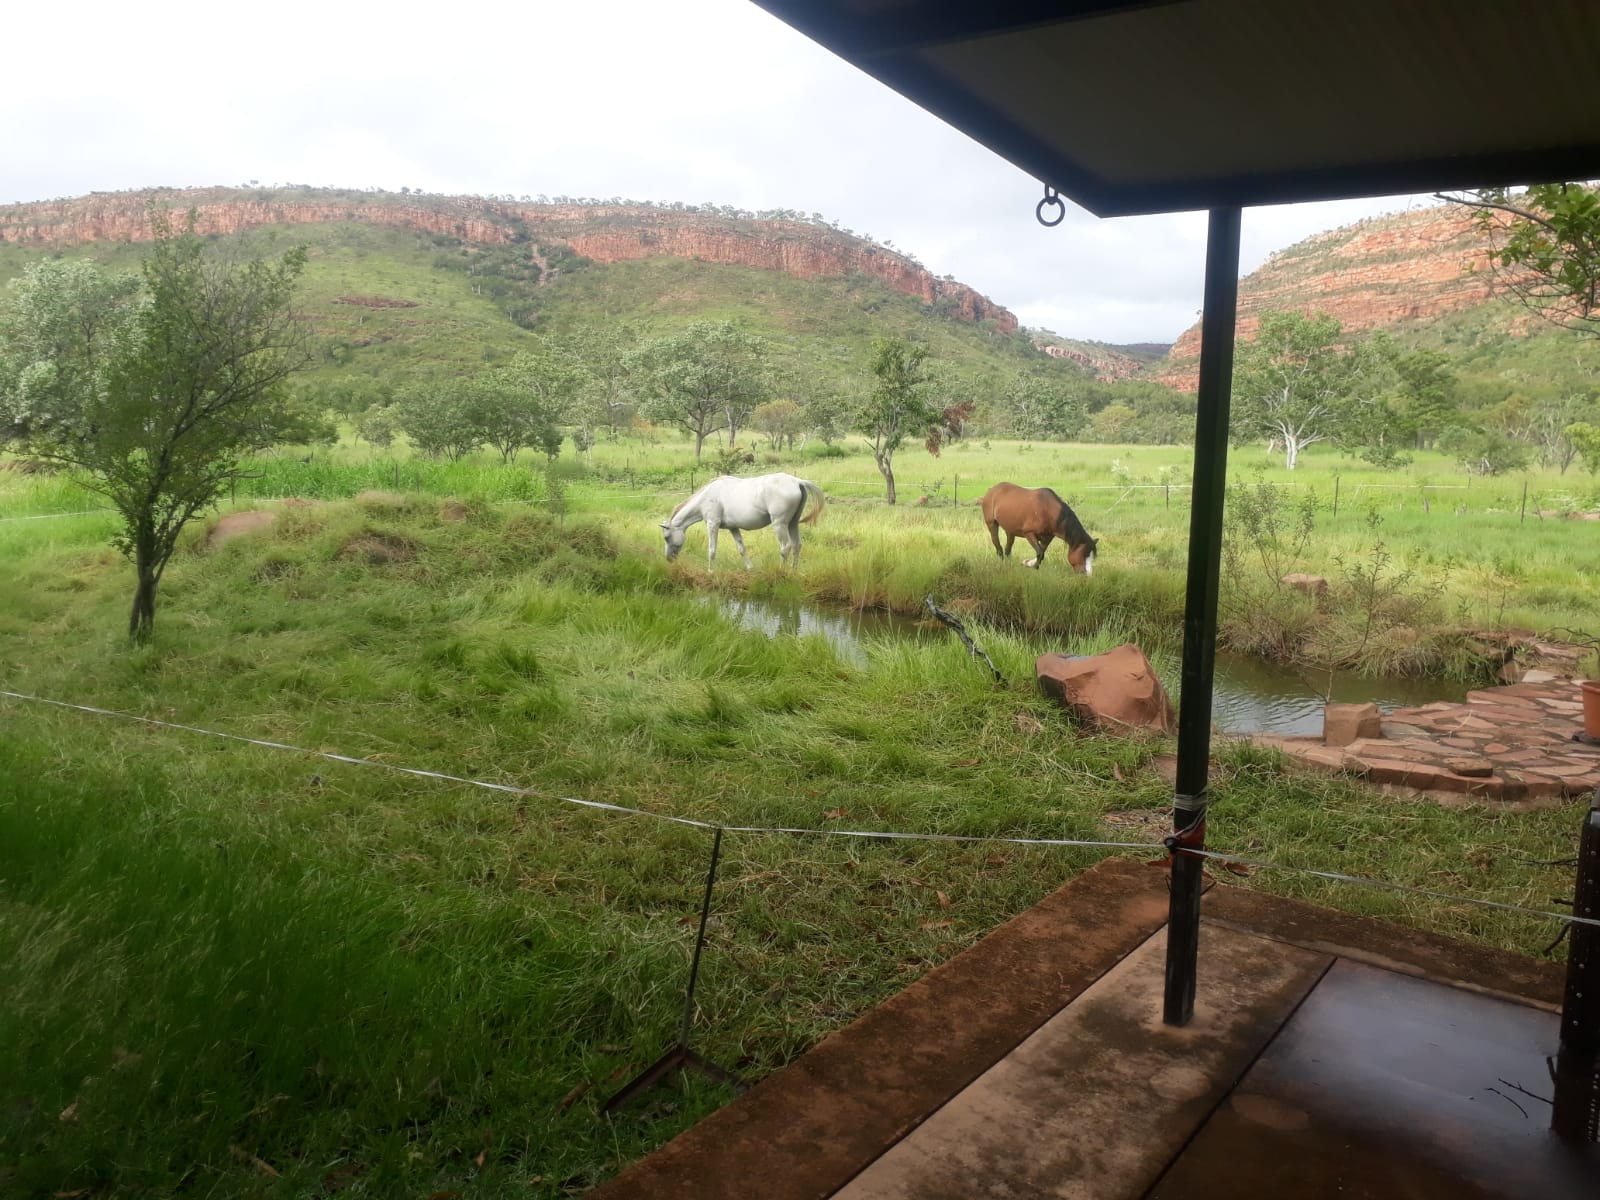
[1330, 1056]
[1508, 745]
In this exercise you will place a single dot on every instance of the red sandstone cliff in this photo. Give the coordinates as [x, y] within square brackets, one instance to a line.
[604, 233]
[1376, 273]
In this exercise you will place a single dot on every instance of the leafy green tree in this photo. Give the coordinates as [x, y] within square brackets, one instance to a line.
[1585, 439]
[1484, 451]
[153, 394]
[899, 405]
[1291, 383]
[704, 379]
[377, 426]
[1112, 424]
[1546, 247]
[608, 396]
[524, 402]
[437, 415]
[1036, 407]
[781, 421]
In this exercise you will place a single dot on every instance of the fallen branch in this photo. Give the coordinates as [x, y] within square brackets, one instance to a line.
[953, 622]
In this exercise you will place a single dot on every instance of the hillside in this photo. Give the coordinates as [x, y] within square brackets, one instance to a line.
[400, 284]
[1421, 274]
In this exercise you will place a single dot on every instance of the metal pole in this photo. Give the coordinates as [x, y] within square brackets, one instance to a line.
[1575, 1115]
[1200, 609]
[1524, 515]
[700, 940]
[1336, 495]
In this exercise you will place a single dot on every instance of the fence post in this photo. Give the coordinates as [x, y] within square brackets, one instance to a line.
[680, 1057]
[1575, 1115]
[1524, 515]
[1169, 495]
[1336, 495]
[955, 494]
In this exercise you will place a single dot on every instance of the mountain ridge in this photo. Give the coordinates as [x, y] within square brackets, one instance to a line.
[603, 231]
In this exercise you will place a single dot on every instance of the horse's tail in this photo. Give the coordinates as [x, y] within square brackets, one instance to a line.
[807, 488]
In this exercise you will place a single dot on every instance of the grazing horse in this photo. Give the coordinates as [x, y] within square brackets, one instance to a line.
[737, 504]
[1041, 516]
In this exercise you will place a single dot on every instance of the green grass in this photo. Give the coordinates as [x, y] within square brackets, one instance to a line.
[364, 979]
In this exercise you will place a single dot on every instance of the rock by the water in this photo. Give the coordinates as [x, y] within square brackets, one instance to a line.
[1117, 688]
[1345, 723]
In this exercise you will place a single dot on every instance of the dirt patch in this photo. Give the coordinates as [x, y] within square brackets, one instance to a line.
[375, 301]
[238, 524]
[454, 510]
[378, 549]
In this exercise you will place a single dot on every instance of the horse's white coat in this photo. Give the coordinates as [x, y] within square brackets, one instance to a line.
[737, 504]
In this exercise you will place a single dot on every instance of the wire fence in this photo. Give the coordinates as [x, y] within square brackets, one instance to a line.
[800, 831]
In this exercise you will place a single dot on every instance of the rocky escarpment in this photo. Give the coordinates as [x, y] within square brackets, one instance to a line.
[1381, 272]
[600, 232]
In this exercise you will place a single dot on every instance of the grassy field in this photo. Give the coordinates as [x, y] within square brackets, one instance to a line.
[241, 971]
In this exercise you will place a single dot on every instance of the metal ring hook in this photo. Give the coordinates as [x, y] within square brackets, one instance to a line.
[1050, 197]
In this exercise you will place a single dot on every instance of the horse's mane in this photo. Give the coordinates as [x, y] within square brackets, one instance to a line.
[681, 505]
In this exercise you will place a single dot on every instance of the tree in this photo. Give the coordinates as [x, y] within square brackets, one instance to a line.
[607, 396]
[437, 415]
[153, 391]
[780, 420]
[377, 426]
[1037, 407]
[1585, 439]
[898, 405]
[705, 379]
[1291, 383]
[523, 402]
[1545, 247]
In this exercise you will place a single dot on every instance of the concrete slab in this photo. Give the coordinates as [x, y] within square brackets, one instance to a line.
[1099, 1100]
[804, 1131]
[1385, 1086]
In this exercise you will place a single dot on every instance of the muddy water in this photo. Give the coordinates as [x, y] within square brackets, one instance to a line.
[1250, 695]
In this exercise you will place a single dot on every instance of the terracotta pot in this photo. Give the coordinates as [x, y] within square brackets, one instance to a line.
[1591, 707]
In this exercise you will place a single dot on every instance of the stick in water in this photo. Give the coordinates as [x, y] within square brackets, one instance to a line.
[954, 623]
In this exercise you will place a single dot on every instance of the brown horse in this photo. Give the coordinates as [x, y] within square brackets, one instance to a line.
[1041, 516]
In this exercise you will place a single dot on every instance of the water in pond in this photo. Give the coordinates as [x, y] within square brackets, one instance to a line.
[1249, 695]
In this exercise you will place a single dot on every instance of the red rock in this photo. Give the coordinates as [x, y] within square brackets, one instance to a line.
[1117, 688]
[605, 233]
[1496, 748]
[1472, 767]
[1344, 723]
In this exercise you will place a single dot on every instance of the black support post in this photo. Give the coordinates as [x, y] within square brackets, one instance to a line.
[1576, 1114]
[1200, 610]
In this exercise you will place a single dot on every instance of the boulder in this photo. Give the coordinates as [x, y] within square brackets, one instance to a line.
[237, 524]
[1311, 585]
[1345, 723]
[1116, 689]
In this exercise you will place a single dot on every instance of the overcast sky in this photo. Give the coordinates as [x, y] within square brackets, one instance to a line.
[698, 100]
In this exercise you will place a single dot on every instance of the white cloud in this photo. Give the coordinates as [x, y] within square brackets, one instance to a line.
[704, 100]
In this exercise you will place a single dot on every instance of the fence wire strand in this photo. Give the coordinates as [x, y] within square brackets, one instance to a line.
[871, 834]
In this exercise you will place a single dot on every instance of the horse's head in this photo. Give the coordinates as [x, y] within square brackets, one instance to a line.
[1081, 556]
[674, 539]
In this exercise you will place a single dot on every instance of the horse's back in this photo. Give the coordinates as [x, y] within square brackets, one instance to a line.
[1021, 509]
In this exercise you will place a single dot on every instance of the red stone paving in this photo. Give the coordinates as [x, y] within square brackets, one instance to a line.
[1511, 745]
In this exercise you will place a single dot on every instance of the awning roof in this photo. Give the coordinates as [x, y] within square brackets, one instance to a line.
[1140, 106]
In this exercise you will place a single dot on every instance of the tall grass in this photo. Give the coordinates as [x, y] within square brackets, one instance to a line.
[233, 961]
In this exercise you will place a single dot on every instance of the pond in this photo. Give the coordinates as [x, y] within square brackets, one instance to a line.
[1250, 695]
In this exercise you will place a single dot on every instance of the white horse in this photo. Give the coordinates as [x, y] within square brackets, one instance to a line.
[737, 504]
